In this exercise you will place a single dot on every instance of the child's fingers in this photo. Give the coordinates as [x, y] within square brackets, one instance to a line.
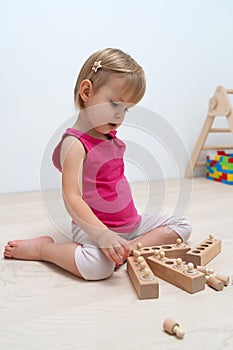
[112, 255]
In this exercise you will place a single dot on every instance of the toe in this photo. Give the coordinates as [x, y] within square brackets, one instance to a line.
[12, 243]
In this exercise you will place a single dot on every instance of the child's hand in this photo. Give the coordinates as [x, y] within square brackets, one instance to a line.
[114, 247]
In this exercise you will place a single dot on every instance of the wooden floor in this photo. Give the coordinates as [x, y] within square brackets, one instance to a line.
[43, 307]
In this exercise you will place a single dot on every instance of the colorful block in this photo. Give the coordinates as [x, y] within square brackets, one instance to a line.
[220, 168]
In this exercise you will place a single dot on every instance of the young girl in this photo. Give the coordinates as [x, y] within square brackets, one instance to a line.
[106, 226]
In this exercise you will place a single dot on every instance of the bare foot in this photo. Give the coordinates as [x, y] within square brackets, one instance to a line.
[27, 249]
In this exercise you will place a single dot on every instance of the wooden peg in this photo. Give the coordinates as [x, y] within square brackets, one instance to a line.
[142, 265]
[201, 269]
[139, 259]
[211, 236]
[205, 270]
[190, 267]
[214, 283]
[179, 264]
[173, 327]
[136, 253]
[139, 246]
[224, 279]
[161, 254]
[146, 272]
[178, 241]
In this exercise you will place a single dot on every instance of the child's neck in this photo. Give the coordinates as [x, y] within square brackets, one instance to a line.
[79, 125]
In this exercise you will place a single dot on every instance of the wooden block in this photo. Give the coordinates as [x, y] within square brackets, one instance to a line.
[144, 281]
[182, 275]
[204, 252]
[172, 251]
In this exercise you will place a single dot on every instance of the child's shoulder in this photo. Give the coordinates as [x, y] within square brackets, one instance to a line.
[72, 149]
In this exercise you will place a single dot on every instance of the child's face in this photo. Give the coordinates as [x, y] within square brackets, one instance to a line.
[106, 108]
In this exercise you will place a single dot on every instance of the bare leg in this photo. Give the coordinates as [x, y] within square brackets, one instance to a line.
[158, 236]
[44, 249]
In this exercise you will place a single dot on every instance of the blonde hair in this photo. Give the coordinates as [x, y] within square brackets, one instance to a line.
[113, 61]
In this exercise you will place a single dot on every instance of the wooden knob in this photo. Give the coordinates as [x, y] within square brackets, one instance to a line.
[136, 253]
[209, 271]
[178, 241]
[162, 254]
[179, 261]
[139, 246]
[146, 272]
[173, 327]
[140, 259]
[190, 267]
[142, 265]
[211, 236]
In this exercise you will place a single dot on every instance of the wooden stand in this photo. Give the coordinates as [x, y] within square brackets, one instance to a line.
[219, 105]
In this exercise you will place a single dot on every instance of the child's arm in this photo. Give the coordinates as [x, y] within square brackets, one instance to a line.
[72, 157]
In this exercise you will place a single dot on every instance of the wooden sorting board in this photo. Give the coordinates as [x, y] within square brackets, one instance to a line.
[145, 287]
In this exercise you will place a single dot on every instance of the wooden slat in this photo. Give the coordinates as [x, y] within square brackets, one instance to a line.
[201, 164]
[220, 130]
[209, 148]
[229, 91]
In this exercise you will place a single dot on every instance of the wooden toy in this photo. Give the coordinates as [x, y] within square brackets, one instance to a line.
[177, 272]
[207, 271]
[173, 251]
[219, 106]
[173, 327]
[214, 283]
[204, 252]
[224, 279]
[144, 281]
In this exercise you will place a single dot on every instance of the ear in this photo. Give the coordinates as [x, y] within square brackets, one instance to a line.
[85, 90]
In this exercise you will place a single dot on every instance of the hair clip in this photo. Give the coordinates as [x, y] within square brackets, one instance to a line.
[96, 66]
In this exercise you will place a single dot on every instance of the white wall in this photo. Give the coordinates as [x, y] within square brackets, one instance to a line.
[185, 48]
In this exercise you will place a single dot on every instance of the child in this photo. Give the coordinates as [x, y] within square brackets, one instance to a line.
[106, 226]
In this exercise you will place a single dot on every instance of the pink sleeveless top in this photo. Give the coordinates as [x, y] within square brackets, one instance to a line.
[105, 187]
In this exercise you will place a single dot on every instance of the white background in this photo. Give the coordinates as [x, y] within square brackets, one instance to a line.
[185, 48]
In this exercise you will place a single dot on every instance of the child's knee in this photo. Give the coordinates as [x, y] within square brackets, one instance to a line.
[93, 264]
[185, 228]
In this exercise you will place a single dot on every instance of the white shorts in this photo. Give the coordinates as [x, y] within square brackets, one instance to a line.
[93, 264]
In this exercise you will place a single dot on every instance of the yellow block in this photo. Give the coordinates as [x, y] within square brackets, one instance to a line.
[230, 177]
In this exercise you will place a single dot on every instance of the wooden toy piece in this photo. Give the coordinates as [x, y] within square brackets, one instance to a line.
[173, 251]
[210, 272]
[162, 255]
[179, 264]
[139, 246]
[219, 106]
[224, 279]
[173, 327]
[136, 253]
[205, 270]
[144, 281]
[214, 283]
[187, 278]
[204, 252]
